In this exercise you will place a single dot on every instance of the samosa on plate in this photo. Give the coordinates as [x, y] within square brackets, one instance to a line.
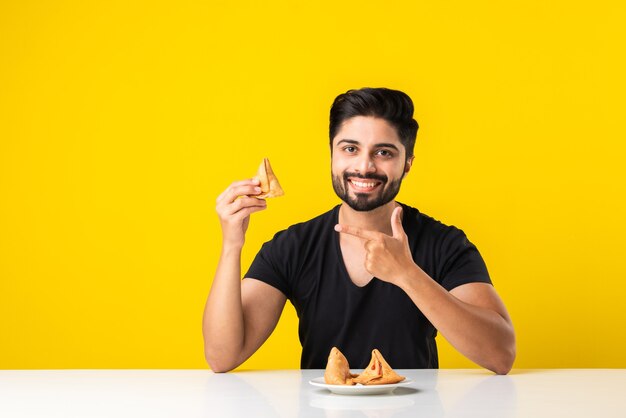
[337, 369]
[268, 181]
[378, 372]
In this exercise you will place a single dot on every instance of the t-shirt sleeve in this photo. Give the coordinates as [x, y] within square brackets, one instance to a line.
[271, 264]
[461, 261]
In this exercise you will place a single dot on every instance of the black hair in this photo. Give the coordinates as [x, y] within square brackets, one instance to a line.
[393, 106]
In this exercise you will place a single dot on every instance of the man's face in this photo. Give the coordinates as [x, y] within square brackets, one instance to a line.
[368, 163]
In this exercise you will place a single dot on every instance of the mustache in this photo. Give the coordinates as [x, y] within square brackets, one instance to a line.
[371, 176]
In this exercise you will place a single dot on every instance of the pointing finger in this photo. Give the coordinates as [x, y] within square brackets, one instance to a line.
[357, 232]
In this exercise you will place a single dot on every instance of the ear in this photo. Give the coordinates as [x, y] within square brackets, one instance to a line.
[408, 165]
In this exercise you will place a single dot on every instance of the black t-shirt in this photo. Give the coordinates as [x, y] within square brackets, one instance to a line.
[305, 263]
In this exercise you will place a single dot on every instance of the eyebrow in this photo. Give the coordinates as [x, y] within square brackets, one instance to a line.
[380, 144]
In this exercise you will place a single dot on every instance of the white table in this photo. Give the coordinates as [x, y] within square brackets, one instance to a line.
[286, 393]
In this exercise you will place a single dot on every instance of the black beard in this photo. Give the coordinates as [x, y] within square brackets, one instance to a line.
[362, 202]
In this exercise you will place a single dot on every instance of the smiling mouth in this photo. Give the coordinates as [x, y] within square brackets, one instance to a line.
[364, 185]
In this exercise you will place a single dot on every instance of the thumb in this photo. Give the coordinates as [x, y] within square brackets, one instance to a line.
[396, 223]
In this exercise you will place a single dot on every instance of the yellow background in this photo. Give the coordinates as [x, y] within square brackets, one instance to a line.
[121, 122]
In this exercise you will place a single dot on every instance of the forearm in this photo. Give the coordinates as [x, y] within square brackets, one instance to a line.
[223, 321]
[481, 334]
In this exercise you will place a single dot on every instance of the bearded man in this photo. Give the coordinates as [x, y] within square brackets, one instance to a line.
[369, 273]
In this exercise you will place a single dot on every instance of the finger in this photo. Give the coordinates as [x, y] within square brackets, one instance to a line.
[370, 245]
[240, 191]
[248, 182]
[243, 203]
[357, 232]
[396, 223]
[245, 212]
[369, 263]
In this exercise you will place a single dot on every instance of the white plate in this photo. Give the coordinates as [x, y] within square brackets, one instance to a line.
[359, 389]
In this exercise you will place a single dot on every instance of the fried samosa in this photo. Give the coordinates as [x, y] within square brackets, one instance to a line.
[269, 183]
[337, 369]
[378, 372]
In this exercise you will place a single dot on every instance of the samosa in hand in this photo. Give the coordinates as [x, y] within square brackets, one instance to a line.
[269, 183]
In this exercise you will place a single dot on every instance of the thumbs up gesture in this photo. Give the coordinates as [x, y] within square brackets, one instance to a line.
[388, 257]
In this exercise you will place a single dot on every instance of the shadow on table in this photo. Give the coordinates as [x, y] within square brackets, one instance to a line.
[494, 396]
[264, 393]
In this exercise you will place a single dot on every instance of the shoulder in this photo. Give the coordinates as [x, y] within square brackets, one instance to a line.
[429, 227]
[444, 251]
[434, 238]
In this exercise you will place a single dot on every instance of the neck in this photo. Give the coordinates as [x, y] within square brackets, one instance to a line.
[378, 219]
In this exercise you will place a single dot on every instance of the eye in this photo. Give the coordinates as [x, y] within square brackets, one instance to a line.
[384, 153]
[349, 149]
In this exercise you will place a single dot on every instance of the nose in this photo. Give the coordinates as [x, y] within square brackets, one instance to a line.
[365, 164]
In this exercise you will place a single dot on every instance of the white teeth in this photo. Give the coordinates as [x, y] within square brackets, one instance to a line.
[363, 185]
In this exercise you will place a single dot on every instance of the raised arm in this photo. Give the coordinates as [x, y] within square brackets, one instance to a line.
[238, 315]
